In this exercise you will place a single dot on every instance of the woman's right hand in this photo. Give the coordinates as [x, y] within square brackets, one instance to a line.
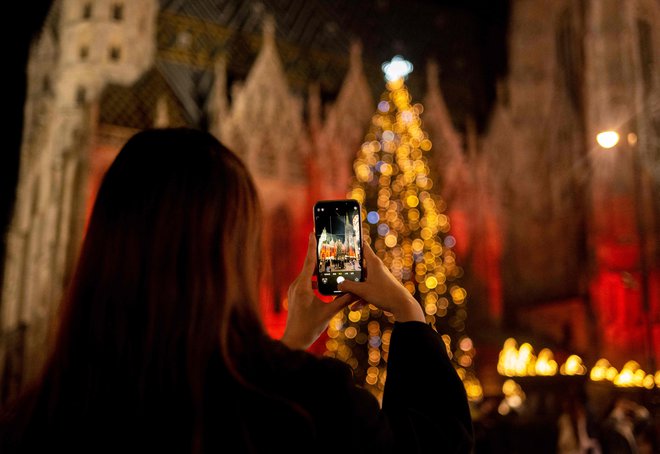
[383, 290]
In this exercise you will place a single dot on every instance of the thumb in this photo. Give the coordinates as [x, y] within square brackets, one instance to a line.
[342, 301]
[356, 288]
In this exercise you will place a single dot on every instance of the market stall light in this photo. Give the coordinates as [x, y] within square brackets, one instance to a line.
[631, 375]
[648, 382]
[545, 363]
[521, 361]
[514, 397]
[573, 366]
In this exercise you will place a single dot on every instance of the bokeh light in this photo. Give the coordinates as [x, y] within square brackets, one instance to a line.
[408, 229]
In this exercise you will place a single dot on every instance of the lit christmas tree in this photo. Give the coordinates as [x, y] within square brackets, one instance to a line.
[405, 224]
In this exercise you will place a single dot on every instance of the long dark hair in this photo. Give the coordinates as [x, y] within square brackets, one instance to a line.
[167, 277]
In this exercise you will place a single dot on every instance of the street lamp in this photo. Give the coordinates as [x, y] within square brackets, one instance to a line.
[609, 139]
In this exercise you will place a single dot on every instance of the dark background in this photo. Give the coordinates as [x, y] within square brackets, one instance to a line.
[466, 37]
[332, 220]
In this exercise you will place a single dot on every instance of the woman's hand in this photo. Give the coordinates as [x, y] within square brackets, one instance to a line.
[383, 290]
[308, 316]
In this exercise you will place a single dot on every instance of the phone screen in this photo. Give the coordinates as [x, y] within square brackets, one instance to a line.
[338, 228]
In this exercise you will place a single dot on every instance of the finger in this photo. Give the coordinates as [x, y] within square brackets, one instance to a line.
[340, 303]
[359, 304]
[370, 257]
[344, 300]
[368, 252]
[356, 288]
[310, 258]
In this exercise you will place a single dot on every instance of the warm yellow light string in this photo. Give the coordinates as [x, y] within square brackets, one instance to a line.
[406, 226]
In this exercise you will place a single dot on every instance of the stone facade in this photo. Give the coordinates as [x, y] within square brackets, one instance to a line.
[622, 76]
[84, 46]
[577, 69]
[90, 91]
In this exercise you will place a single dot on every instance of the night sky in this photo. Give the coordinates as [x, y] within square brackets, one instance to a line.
[466, 37]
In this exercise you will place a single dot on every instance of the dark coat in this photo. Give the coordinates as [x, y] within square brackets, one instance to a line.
[295, 402]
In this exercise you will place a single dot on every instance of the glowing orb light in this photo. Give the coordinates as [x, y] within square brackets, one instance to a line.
[607, 139]
[397, 68]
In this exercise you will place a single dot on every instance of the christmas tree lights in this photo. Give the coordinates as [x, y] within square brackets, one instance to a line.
[407, 228]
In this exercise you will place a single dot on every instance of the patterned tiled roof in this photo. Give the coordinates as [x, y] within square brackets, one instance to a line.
[136, 106]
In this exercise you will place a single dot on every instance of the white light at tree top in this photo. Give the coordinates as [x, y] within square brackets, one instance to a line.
[397, 68]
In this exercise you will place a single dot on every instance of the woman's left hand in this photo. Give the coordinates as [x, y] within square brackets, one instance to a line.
[308, 316]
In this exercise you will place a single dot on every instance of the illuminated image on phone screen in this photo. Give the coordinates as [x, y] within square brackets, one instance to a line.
[337, 226]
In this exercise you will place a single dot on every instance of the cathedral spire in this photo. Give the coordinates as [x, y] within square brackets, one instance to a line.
[268, 30]
[437, 113]
[356, 55]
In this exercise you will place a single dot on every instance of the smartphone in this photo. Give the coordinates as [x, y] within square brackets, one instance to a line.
[338, 229]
